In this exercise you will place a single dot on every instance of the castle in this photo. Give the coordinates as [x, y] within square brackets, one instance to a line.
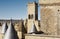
[32, 28]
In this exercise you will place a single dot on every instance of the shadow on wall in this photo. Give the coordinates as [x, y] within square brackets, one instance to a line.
[40, 32]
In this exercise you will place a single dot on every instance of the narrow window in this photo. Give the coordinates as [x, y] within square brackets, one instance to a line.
[32, 16]
[28, 16]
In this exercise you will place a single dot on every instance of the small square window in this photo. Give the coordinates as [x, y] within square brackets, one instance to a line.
[58, 10]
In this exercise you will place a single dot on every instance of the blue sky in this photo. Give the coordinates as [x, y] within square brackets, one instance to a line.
[15, 9]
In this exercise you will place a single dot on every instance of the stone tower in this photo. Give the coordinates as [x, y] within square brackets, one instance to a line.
[32, 15]
[33, 11]
[50, 16]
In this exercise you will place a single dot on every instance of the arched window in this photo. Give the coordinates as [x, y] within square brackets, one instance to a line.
[0, 24]
[28, 16]
[32, 16]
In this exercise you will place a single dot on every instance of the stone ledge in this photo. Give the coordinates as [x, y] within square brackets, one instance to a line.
[42, 35]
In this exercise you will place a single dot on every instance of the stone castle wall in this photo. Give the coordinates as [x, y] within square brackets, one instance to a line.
[34, 36]
[50, 17]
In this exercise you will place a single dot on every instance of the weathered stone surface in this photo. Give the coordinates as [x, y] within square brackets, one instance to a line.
[30, 36]
[50, 19]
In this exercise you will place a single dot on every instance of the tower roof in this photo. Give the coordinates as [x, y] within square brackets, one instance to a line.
[11, 33]
[4, 28]
[33, 29]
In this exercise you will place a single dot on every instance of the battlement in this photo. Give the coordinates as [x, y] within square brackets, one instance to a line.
[32, 3]
[48, 1]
